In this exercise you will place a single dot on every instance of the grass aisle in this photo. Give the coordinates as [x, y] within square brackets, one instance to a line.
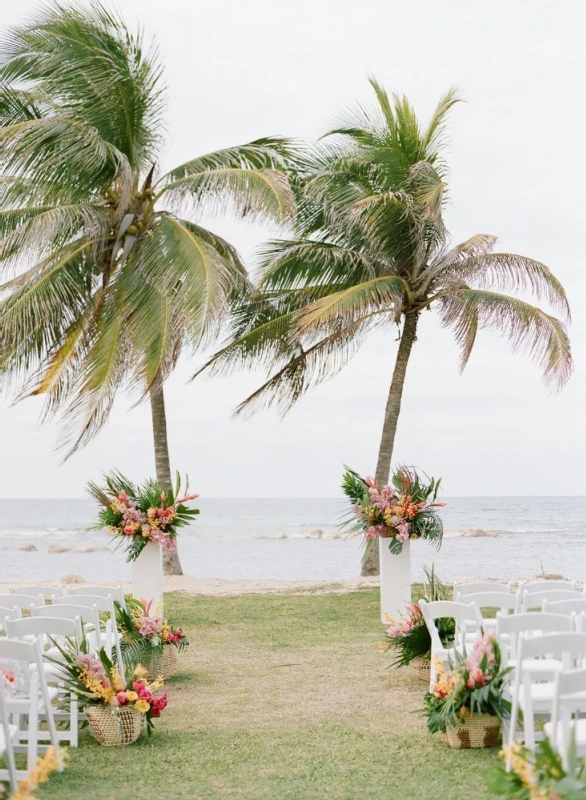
[281, 697]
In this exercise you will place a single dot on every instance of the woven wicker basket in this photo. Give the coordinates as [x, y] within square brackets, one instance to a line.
[478, 730]
[421, 666]
[113, 727]
[166, 664]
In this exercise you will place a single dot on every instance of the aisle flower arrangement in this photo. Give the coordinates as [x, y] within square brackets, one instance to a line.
[50, 762]
[537, 777]
[407, 638]
[405, 509]
[137, 514]
[147, 636]
[116, 713]
[468, 692]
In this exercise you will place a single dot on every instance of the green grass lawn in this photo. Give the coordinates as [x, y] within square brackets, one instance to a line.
[281, 696]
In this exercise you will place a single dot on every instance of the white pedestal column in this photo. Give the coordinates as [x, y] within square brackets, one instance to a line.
[147, 575]
[395, 579]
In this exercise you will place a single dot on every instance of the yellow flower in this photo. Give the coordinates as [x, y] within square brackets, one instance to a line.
[141, 705]
[140, 671]
[383, 646]
[131, 696]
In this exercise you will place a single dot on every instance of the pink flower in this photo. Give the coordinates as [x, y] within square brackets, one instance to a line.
[483, 646]
[476, 678]
[93, 665]
[186, 498]
[123, 497]
[122, 699]
[144, 694]
[161, 702]
[370, 482]
[155, 712]
[114, 702]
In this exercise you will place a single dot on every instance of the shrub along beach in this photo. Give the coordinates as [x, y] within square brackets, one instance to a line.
[108, 277]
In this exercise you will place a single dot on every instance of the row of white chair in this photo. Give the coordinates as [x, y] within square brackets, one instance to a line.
[527, 597]
[22, 711]
[538, 646]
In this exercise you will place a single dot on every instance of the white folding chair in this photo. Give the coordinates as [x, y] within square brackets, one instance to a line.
[504, 602]
[8, 738]
[30, 699]
[566, 607]
[569, 699]
[48, 592]
[461, 613]
[110, 636]
[530, 691]
[531, 600]
[49, 632]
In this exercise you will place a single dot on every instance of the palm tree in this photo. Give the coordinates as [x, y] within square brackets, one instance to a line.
[371, 252]
[107, 275]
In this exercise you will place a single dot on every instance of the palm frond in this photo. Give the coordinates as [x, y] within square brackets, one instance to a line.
[543, 338]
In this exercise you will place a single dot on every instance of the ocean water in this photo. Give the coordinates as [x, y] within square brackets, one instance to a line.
[269, 539]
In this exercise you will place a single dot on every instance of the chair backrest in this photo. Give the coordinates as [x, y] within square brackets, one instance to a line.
[510, 626]
[535, 586]
[48, 592]
[448, 609]
[64, 611]
[566, 647]
[574, 606]
[117, 592]
[89, 601]
[21, 600]
[534, 599]
[45, 628]
[462, 589]
[8, 611]
[501, 600]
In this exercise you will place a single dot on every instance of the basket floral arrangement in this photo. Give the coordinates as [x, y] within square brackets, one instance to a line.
[146, 635]
[539, 776]
[407, 638]
[115, 713]
[405, 509]
[142, 514]
[472, 688]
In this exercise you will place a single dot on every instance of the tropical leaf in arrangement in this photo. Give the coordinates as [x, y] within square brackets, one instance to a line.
[107, 275]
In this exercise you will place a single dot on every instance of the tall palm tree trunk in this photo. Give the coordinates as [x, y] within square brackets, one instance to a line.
[171, 563]
[370, 560]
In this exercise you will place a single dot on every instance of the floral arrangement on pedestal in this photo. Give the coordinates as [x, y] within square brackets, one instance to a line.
[147, 635]
[115, 713]
[468, 693]
[405, 509]
[407, 638]
[539, 776]
[142, 514]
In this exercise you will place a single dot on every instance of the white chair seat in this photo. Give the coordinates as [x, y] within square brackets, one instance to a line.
[579, 728]
[20, 704]
[541, 696]
[545, 667]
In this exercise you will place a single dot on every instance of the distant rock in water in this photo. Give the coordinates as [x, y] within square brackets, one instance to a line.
[56, 548]
[274, 536]
[88, 549]
[71, 579]
[473, 533]
[28, 548]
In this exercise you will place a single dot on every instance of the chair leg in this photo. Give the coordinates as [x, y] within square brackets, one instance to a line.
[73, 722]
[33, 725]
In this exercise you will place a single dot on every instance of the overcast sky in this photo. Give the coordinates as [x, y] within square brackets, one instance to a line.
[241, 70]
